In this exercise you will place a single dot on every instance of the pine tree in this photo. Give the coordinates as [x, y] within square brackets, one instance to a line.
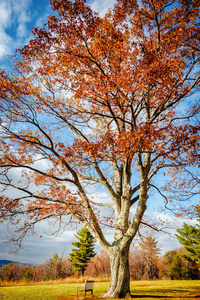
[80, 256]
[189, 237]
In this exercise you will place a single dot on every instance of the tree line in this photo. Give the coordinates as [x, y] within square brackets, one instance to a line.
[145, 261]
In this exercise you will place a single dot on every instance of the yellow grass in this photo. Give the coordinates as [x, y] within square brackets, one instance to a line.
[54, 282]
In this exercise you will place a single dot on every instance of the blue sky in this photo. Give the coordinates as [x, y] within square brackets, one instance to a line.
[17, 17]
[16, 21]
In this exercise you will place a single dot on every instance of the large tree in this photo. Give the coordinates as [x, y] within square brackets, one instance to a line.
[106, 102]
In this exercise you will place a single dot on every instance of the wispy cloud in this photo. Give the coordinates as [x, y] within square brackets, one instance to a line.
[21, 11]
[5, 17]
[14, 16]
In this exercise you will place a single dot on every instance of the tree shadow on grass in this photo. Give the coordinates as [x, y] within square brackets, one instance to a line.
[132, 296]
[167, 297]
[135, 296]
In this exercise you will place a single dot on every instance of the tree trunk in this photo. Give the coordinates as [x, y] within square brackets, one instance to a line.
[120, 275]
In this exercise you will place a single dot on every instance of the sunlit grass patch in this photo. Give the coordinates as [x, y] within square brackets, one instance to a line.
[145, 290]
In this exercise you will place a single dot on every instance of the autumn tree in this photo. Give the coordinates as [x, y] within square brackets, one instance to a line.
[136, 263]
[53, 267]
[149, 251]
[28, 273]
[145, 259]
[84, 251]
[66, 268]
[99, 265]
[11, 272]
[101, 105]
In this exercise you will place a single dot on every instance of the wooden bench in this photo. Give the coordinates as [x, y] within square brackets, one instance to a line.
[87, 287]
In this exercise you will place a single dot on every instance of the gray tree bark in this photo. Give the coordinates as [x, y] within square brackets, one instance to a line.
[120, 275]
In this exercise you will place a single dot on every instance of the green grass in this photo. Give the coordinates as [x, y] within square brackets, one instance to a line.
[167, 289]
[145, 290]
[36, 292]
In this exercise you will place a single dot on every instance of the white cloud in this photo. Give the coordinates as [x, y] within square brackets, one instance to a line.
[166, 238]
[172, 221]
[5, 14]
[21, 30]
[101, 6]
[5, 39]
[14, 16]
[22, 13]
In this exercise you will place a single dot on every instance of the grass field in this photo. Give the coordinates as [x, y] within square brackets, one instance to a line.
[145, 290]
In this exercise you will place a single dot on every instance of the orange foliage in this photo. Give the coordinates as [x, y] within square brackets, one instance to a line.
[99, 265]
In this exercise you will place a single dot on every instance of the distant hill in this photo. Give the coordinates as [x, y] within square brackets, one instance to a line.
[4, 262]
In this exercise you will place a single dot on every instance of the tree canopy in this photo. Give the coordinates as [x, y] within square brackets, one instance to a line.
[105, 105]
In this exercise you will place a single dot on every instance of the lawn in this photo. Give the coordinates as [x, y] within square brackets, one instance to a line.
[145, 290]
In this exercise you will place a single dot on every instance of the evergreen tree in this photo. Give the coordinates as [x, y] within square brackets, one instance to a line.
[176, 267]
[167, 261]
[189, 237]
[80, 256]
